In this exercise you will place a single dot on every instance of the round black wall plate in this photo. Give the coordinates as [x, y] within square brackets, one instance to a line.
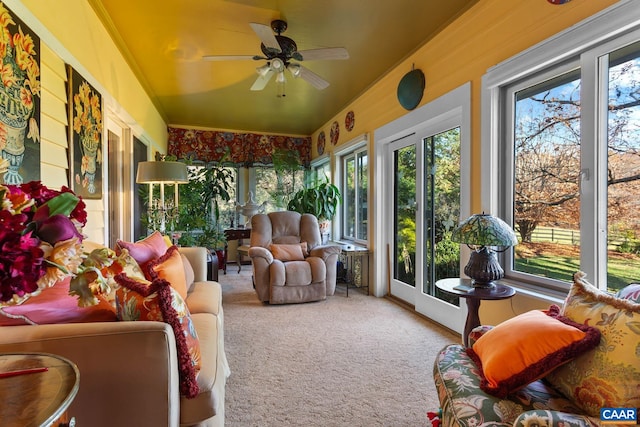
[411, 88]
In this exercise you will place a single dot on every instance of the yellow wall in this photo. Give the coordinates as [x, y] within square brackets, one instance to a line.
[77, 29]
[70, 33]
[488, 33]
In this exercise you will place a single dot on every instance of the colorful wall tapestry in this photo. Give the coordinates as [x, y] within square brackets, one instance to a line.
[19, 100]
[85, 136]
[242, 149]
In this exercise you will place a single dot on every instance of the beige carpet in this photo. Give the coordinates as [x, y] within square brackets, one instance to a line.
[357, 361]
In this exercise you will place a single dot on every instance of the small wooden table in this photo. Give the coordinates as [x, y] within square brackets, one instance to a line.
[473, 297]
[236, 234]
[37, 398]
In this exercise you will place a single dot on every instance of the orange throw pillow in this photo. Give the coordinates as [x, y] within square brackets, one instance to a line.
[525, 348]
[171, 268]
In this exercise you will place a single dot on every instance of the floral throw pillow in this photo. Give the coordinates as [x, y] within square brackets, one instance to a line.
[607, 376]
[138, 299]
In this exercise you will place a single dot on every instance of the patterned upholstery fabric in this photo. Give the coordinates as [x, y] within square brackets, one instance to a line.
[541, 403]
[608, 376]
[463, 403]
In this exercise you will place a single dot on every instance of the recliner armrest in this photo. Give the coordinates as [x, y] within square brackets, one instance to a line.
[325, 251]
[260, 252]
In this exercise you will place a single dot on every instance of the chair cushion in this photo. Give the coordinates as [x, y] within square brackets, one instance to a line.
[526, 347]
[607, 376]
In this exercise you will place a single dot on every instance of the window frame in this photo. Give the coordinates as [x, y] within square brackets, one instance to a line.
[579, 46]
[357, 145]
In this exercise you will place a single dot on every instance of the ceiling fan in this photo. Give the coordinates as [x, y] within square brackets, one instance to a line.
[279, 52]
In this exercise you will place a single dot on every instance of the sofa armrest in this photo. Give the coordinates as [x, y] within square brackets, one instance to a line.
[556, 419]
[128, 370]
[197, 257]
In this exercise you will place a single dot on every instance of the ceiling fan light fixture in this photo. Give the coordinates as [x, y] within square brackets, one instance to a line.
[263, 70]
[280, 77]
[295, 69]
[277, 65]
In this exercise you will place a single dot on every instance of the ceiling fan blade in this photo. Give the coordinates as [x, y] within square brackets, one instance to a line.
[227, 57]
[324, 53]
[266, 36]
[262, 81]
[312, 78]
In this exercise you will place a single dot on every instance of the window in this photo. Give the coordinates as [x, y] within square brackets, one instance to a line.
[567, 152]
[277, 185]
[320, 170]
[354, 176]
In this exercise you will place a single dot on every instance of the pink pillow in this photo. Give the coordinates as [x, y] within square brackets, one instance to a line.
[55, 305]
[143, 251]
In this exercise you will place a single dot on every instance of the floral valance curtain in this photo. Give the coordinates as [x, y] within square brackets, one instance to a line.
[242, 149]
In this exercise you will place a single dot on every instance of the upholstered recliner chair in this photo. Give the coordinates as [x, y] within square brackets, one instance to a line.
[289, 263]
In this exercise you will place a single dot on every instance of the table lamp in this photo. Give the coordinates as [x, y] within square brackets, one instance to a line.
[479, 232]
[162, 172]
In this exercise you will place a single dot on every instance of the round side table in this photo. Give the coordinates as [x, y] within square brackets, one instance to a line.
[36, 389]
[464, 289]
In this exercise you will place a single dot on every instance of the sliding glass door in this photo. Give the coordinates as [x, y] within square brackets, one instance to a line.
[425, 194]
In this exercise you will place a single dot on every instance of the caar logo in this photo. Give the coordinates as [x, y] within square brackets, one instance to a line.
[619, 415]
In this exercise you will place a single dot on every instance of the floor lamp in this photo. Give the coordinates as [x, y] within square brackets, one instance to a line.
[162, 172]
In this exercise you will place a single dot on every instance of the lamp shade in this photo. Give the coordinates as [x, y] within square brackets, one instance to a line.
[484, 230]
[162, 172]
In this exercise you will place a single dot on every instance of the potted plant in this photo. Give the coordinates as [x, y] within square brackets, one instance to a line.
[321, 200]
[200, 199]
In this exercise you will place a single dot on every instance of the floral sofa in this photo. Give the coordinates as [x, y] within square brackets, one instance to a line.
[132, 373]
[568, 395]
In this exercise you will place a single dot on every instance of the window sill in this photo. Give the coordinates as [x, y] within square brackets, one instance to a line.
[537, 292]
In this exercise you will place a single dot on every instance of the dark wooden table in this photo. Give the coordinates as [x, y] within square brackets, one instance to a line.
[473, 297]
[39, 398]
[235, 234]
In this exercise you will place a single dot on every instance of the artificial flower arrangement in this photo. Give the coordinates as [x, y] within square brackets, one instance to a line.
[41, 238]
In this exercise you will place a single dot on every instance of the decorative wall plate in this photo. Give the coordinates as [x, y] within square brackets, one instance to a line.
[335, 132]
[558, 1]
[410, 89]
[321, 142]
[349, 121]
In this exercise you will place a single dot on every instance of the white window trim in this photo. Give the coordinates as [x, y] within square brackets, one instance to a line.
[612, 23]
[345, 149]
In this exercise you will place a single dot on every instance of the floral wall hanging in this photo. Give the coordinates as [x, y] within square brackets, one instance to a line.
[85, 136]
[19, 99]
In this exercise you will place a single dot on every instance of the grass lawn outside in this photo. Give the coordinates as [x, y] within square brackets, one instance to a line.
[560, 262]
